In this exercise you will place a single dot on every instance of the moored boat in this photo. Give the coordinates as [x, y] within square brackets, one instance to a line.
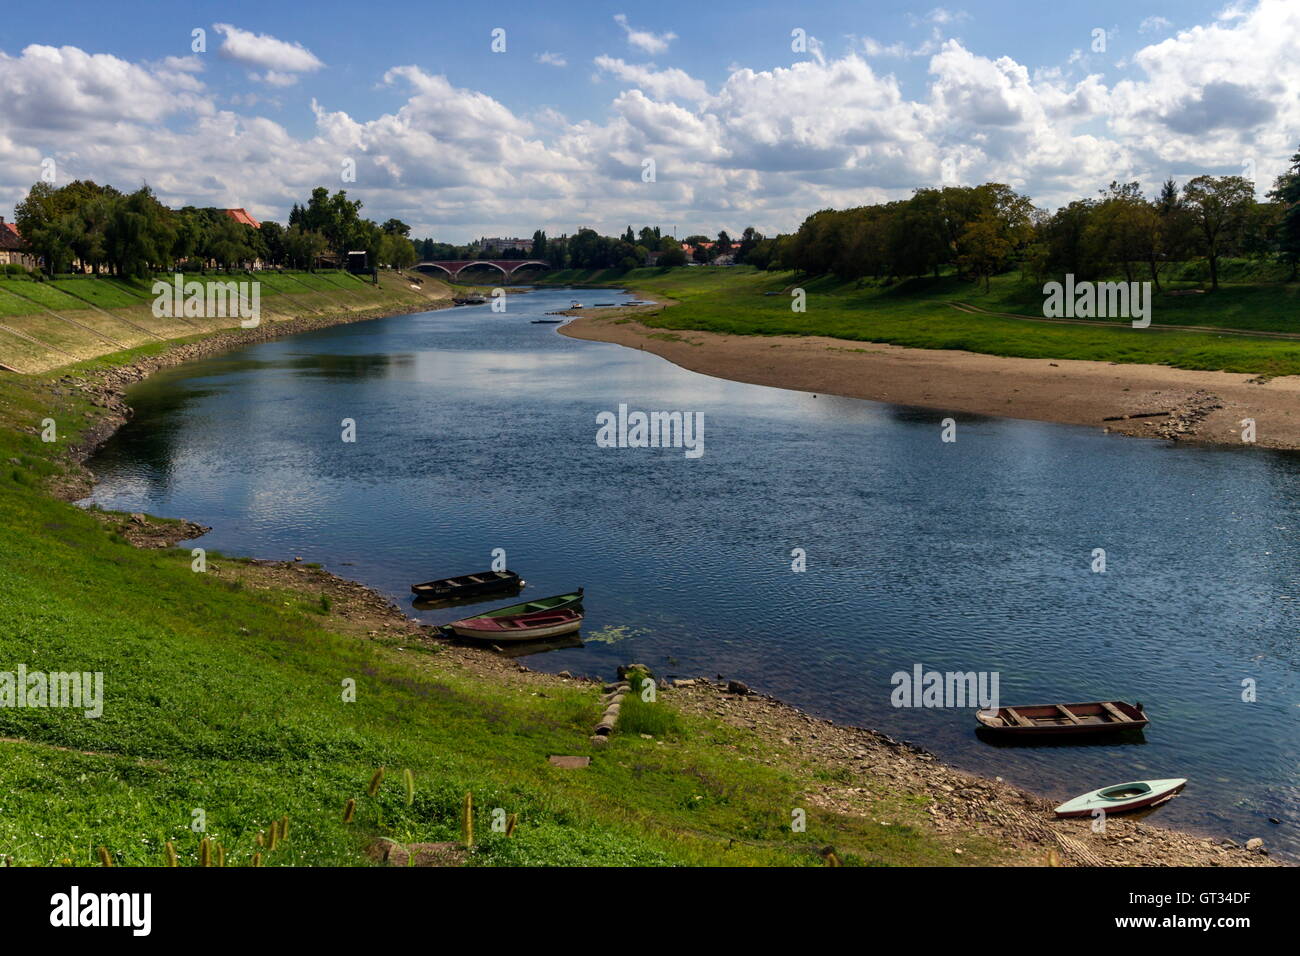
[556, 602]
[1094, 717]
[520, 627]
[1123, 797]
[467, 585]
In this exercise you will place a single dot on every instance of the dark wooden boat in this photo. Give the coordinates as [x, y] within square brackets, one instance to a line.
[468, 585]
[547, 321]
[1096, 717]
[520, 627]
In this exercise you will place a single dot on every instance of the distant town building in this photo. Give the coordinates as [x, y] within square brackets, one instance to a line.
[503, 245]
[13, 251]
[243, 217]
[717, 255]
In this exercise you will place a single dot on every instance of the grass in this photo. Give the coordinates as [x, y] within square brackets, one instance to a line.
[224, 697]
[917, 313]
[94, 315]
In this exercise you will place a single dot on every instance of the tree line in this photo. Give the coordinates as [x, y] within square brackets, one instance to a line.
[98, 229]
[980, 231]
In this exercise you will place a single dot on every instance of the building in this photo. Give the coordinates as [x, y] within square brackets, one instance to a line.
[717, 255]
[13, 251]
[504, 245]
[242, 217]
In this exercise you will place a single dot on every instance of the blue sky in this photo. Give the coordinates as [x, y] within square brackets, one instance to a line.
[1003, 90]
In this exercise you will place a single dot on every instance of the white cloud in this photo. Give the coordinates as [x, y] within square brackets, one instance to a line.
[643, 39]
[767, 147]
[661, 84]
[551, 59]
[281, 60]
[1154, 25]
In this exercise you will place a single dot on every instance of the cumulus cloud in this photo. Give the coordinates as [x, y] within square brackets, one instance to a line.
[644, 40]
[762, 147]
[551, 59]
[281, 60]
[661, 84]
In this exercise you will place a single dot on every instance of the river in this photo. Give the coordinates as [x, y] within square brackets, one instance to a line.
[477, 430]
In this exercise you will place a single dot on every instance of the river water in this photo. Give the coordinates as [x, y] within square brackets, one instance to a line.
[477, 430]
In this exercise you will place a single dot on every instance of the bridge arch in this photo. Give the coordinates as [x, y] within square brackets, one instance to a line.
[454, 267]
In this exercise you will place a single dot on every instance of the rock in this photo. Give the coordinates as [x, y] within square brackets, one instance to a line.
[683, 683]
[567, 762]
[565, 674]
[736, 687]
[1255, 843]
[138, 518]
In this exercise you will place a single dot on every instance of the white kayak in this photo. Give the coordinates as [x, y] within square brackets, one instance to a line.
[1122, 797]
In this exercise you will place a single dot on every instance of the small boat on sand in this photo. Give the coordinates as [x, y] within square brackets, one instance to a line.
[1122, 797]
[1095, 717]
[520, 627]
[468, 585]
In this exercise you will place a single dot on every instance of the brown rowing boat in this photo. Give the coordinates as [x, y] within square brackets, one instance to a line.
[1095, 717]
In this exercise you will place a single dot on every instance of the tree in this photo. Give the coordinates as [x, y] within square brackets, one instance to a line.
[1286, 234]
[985, 247]
[139, 234]
[672, 257]
[302, 247]
[1219, 206]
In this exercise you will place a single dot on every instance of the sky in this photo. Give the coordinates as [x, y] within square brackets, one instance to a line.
[469, 120]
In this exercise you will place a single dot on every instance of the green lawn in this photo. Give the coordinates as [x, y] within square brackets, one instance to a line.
[918, 313]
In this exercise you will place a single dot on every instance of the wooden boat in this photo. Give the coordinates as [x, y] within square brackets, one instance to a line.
[1096, 717]
[547, 321]
[556, 602]
[1122, 797]
[520, 627]
[468, 585]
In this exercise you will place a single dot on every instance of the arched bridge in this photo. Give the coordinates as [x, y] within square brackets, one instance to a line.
[453, 267]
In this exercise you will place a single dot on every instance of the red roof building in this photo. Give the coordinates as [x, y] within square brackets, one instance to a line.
[13, 251]
[241, 216]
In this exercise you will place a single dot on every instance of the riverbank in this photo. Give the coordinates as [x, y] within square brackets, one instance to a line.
[1142, 400]
[47, 325]
[223, 692]
[1146, 401]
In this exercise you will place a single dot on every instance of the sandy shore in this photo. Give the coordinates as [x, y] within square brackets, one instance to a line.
[861, 761]
[1197, 406]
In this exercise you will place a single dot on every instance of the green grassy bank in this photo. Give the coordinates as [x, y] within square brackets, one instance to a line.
[919, 313]
[223, 693]
[46, 324]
